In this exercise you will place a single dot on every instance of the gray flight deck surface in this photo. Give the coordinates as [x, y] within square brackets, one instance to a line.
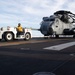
[21, 57]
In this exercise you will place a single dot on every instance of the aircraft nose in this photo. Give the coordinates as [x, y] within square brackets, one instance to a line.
[50, 31]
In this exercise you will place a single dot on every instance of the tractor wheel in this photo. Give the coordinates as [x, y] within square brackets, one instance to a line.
[27, 36]
[8, 36]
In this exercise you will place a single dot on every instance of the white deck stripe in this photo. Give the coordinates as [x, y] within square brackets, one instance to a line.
[61, 46]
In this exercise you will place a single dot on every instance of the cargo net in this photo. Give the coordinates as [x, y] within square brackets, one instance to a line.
[65, 16]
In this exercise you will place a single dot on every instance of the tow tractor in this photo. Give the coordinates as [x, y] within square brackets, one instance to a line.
[10, 33]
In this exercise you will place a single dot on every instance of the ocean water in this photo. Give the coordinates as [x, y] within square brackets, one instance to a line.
[36, 33]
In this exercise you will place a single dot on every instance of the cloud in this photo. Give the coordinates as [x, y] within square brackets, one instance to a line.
[43, 7]
[71, 5]
[30, 12]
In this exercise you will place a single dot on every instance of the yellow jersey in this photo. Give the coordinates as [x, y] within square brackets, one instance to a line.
[20, 29]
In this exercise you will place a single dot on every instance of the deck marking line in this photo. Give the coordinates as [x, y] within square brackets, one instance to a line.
[61, 46]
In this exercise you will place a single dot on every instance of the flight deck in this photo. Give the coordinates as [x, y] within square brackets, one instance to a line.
[54, 55]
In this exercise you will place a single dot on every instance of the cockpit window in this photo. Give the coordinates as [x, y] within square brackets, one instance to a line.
[45, 19]
[48, 19]
[52, 19]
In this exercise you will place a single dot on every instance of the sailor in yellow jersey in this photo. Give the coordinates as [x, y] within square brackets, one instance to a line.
[19, 29]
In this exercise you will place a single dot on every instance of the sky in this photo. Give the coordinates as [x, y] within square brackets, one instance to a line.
[30, 12]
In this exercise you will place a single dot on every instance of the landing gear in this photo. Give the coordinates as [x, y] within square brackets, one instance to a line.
[57, 36]
[73, 36]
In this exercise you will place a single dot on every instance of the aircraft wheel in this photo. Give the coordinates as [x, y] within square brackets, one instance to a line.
[73, 36]
[57, 36]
